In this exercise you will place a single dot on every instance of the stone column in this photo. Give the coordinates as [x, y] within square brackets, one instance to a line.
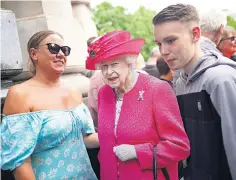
[82, 13]
[33, 16]
[11, 57]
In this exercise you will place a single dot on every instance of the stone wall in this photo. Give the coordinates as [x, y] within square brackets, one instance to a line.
[71, 19]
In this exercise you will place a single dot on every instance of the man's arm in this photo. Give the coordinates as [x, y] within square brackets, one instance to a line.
[223, 97]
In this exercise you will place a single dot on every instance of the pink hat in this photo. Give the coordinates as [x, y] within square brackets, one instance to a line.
[111, 45]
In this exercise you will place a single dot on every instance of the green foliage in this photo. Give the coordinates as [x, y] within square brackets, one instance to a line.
[231, 22]
[109, 18]
[139, 23]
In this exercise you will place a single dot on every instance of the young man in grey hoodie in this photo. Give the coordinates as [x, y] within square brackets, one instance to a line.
[212, 23]
[206, 92]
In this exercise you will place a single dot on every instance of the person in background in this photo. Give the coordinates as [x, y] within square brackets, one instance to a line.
[205, 92]
[150, 67]
[46, 126]
[227, 44]
[166, 74]
[135, 112]
[94, 86]
[90, 40]
[140, 62]
[212, 24]
[87, 73]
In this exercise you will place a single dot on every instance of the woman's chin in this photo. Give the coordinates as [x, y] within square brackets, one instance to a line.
[113, 84]
[59, 70]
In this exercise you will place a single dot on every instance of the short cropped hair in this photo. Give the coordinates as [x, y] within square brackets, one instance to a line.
[177, 12]
[162, 67]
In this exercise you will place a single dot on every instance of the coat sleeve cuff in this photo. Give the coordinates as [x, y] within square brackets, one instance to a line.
[144, 155]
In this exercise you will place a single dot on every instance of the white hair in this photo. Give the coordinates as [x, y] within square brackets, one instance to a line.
[211, 20]
[155, 52]
[129, 59]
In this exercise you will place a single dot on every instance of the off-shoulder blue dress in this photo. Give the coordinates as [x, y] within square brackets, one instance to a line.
[54, 141]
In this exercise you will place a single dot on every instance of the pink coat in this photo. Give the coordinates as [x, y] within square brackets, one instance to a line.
[154, 120]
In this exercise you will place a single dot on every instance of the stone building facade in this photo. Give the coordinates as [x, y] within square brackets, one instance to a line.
[21, 19]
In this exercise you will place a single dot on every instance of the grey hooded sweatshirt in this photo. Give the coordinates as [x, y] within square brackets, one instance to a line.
[216, 75]
[207, 45]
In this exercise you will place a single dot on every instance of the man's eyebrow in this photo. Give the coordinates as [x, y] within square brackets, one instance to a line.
[169, 37]
[166, 38]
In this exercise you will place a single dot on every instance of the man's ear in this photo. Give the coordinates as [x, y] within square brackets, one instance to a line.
[218, 35]
[196, 31]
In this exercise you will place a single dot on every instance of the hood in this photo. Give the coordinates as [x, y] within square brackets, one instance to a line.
[208, 60]
[207, 45]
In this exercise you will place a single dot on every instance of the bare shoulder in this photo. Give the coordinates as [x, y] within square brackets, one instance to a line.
[15, 100]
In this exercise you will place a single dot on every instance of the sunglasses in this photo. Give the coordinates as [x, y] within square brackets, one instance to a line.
[55, 48]
[233, 38]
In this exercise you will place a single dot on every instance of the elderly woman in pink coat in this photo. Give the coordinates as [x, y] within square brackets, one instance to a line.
[135, 113]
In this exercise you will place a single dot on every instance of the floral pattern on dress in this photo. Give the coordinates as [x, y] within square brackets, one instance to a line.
[54, 141]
